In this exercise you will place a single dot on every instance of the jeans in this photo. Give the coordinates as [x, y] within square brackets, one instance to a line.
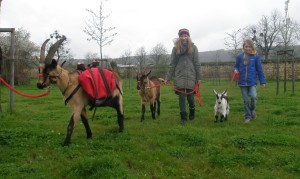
[250, 97]
[190, 99]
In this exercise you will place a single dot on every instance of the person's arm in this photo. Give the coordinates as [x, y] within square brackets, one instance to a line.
[172, 66]
[260, 71]
[236, 65]
[197, 64]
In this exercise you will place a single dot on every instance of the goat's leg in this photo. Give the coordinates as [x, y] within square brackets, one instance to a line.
[120, 115]
[69, 131]
[154, 106]
[118, 105]
[143, 112]
[222, 117]
[158, 107]
[152, 109]
[85, 122]
[216, 116]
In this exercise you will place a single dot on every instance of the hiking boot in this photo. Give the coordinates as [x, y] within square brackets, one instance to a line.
[192, 113]
[183, 117]
[247, 120]
[253, 115]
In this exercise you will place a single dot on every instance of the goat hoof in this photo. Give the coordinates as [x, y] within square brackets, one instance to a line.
[65, 145]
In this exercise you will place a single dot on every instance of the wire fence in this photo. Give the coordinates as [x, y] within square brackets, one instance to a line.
[219, 71]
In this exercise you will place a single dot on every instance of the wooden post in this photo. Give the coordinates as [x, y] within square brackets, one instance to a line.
[293, 76]
[288, 54]
[0, 74]
[277, 76]
[12, 65]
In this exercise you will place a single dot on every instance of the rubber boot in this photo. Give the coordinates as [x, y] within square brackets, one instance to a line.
[192, 113]
[183, 118]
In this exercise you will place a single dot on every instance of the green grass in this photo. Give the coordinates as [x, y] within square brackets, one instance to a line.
[269, 147]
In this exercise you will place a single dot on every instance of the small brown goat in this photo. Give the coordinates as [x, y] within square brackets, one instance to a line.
[149, 91]
[52, 73]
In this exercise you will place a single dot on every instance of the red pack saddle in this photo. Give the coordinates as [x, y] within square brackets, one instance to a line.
[95, 86]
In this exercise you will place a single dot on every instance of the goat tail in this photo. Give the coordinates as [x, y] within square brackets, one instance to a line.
[114, 66]
[115, 70]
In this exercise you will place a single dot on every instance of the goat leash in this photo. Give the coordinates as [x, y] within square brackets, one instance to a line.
[196, 90]
[155, 86]
[22, 94]
[235, 76]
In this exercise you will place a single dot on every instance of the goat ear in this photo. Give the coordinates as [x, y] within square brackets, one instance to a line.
[148, 73]
[215, 92]
[53, 63]
[225, 92]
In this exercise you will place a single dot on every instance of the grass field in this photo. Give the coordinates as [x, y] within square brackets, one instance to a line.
[269, 147]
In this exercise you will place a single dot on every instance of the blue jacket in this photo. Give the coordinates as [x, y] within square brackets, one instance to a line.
[250, 71]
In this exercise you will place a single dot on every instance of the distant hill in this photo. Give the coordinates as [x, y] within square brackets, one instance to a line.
[225, 55]
[209, 56]
[216, 56]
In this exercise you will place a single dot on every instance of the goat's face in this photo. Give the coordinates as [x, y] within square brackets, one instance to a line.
[220, 96]
[47, 66]
[47, 74]
[142, 81]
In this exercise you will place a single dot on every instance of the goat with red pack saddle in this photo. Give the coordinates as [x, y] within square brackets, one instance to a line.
[50, 72]
[149, 91]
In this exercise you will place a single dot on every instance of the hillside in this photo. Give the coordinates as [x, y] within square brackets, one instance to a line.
[225, 56]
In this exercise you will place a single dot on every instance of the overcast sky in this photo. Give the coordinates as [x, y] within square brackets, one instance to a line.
[139, 23]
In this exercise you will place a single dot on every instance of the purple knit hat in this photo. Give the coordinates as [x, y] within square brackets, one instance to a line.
[183, 31]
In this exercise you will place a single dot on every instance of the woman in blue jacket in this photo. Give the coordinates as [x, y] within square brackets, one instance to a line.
[248, 66]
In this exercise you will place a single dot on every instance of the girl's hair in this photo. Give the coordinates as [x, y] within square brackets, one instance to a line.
[178, 46]
[249, 42]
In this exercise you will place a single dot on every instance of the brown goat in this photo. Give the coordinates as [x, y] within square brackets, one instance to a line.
[149, 91]
[52, 73]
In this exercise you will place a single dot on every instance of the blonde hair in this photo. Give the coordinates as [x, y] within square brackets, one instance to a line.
[178, 46]
[249, 42]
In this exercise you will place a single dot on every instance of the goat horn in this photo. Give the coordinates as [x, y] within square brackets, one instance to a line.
[53, 49]
[42, 54]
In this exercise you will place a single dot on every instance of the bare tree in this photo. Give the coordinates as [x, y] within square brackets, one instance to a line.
[234, 42]
[290, 31]
[96, 30]
[158, 53]
[140, 56]
[91, 57]
[265, 33]
[126, 58]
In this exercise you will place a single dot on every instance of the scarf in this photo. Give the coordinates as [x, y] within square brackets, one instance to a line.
[253, 52]
[183, 48]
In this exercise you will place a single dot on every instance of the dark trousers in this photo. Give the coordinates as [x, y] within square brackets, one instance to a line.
[189, 97]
